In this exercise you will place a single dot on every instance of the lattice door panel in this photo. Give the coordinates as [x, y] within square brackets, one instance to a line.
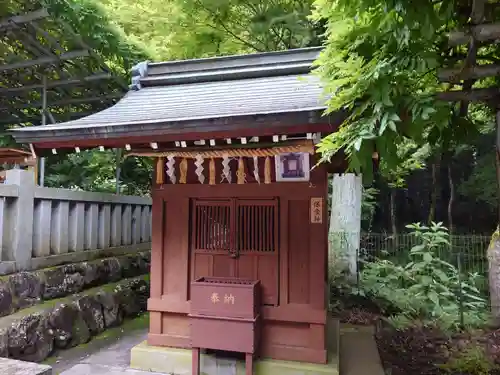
[211, 225]
[257, 226]
[237, 238]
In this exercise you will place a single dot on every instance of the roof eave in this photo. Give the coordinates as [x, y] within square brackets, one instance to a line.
[254, 123]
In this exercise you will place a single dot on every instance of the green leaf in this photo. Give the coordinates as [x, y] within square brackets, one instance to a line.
[428, 257]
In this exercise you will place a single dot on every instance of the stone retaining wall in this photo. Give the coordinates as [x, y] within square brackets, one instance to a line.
[32, 334]
[25, 289]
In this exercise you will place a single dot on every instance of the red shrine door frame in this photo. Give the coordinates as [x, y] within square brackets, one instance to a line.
[237, 237]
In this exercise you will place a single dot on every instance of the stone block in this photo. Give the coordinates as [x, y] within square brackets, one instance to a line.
[14, 367]
[32, 334]
[24, 289]
[178, 361]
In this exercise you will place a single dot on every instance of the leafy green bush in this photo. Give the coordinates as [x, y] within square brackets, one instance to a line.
[472, 360]
[427, 288]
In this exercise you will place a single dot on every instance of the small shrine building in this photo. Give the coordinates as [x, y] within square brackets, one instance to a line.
[239, 241]
[18, 158]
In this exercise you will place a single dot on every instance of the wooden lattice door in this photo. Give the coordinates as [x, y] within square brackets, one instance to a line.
[237, 238]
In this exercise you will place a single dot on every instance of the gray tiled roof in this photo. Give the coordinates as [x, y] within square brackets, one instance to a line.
[231, 98]
[203, 96]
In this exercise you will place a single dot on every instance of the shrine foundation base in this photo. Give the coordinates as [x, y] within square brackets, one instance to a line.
[178, 361]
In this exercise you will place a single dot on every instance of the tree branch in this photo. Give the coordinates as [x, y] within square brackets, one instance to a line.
[217, 18]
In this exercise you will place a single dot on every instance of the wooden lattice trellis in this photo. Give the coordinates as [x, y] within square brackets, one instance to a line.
[482, 33]
[49, 74]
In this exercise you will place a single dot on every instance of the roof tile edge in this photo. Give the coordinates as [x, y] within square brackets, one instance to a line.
[218, 65]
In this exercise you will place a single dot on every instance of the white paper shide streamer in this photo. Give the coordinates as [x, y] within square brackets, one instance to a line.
[256, 169]
[199, 168]
[171, 169]
[226, 171]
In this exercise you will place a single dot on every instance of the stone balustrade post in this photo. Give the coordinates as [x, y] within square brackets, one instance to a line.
[20, 216]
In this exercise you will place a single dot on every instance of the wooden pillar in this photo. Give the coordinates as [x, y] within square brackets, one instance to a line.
[345, 220]
[248, 364]
[196, 361]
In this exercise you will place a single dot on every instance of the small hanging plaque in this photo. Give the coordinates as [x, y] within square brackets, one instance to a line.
[316, 210]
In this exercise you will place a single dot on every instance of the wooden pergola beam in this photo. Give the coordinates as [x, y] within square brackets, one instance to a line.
[92, 53]
[474, 72]
[42, 61]
[474, 95]
[64, 82]
[61, 103]
[23, 18]
[481, 33]
[51, 54]
[13, 120]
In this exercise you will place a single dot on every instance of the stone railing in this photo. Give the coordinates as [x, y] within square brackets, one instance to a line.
[44, 227]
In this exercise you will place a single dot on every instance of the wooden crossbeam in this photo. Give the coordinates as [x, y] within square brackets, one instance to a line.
[56, 45]
[62, 103]
[474, 72]
[481, 33]
[23, 18]
[42, 61]
[11, 120]
[474, 95]
[64, 82]
[36, 120]
[98, 58]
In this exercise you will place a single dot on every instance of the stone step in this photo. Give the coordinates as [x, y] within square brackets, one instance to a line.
[177, 361]
[358, 353]
[33, 333]
[24, 289]
[13, 367]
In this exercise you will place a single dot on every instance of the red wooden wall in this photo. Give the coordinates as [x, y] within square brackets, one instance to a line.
[294, 315]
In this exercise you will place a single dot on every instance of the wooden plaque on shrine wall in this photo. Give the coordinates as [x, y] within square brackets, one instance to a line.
[316, 210]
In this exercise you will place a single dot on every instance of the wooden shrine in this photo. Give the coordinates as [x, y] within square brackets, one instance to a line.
[23, 159]
[228, 217]
[239, 204]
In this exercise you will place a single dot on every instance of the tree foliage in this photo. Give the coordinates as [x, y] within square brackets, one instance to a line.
[91, 22]
[380, 63]
[96, 171]
[230, 26]
[147, 23]
[180, 29]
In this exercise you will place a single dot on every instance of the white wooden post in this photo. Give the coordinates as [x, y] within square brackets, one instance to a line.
[345, 220]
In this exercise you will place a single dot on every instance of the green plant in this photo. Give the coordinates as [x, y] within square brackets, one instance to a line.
[474, 360]
[426, 288]
[368, 206]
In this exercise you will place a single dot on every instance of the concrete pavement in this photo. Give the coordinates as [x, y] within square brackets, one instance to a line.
[112, 358]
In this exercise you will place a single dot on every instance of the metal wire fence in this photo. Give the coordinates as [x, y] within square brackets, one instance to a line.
[466, 252]
[470, 249]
